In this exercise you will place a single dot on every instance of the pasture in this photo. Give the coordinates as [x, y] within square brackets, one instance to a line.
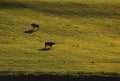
[86, 32]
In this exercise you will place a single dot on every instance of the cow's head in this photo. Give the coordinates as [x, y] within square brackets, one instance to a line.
[32, 24]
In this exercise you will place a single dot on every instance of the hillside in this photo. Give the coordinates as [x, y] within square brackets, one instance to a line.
[86, 33]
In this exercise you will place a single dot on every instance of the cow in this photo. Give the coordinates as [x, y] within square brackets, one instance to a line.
[35, 26]
[49, 44]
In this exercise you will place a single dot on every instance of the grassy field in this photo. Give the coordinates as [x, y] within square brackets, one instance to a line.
[84, 31]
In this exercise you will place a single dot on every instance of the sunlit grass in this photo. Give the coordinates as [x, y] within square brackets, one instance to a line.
[84, 31]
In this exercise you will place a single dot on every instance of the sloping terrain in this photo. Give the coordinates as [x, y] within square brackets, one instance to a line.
[86, 33]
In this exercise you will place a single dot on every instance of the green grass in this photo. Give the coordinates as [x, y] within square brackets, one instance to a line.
[84, 31]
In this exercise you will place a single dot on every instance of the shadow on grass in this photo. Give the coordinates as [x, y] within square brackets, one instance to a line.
[29, 31]
[44, 49]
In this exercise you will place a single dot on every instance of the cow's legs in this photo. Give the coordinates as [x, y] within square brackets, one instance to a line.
[45, 45]
[38, 28]
[50, 46]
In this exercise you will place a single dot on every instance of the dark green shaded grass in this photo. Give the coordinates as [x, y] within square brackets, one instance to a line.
[66, 9]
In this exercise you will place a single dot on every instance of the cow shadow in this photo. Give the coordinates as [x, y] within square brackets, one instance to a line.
[44, 49]
[29, 31]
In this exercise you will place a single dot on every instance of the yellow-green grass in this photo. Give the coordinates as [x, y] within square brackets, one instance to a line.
[84, 31]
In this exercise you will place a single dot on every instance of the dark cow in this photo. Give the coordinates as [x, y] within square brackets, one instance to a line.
[35, 26]
[49, 44]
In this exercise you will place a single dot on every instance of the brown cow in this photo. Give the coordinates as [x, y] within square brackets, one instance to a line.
[35, 26]
[49, 44]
